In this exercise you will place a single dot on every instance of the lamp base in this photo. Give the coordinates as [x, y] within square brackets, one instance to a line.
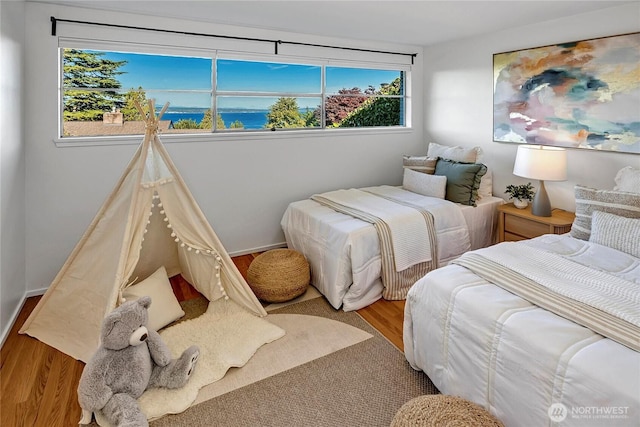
[541, 205]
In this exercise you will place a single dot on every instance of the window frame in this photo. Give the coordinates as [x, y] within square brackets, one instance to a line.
[225, 54]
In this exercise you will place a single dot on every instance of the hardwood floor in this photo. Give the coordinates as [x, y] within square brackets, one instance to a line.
[38, 383]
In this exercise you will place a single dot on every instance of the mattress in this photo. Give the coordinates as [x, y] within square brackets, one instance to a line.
[526, 365]
[344, 252]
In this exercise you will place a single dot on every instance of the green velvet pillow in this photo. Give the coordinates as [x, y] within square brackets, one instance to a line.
[463, 180]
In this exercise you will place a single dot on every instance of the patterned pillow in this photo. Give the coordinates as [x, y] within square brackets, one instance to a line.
[422, 183]
[589, 200]
[422, 164]
[616, 232]
[628, 179]
[463, 180]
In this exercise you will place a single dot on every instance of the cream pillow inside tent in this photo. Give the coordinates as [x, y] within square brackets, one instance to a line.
[165, 307]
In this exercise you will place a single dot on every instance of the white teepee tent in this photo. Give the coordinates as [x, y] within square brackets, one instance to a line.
[149, 220]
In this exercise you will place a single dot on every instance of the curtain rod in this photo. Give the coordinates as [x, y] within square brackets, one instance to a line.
[55, 20]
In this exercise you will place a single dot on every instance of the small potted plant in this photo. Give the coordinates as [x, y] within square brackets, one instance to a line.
[521, 194]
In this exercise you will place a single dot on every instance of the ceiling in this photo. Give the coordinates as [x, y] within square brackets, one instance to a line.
[418, 23]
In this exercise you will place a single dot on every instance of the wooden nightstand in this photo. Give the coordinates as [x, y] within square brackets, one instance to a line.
[520, 224]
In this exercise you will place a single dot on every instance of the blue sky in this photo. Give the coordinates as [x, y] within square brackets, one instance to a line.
[195, 74]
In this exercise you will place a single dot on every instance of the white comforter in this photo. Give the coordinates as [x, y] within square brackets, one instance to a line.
[485, 344]
[344, 252]
[408, 233]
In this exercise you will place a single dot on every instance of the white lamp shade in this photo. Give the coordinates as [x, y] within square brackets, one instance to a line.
[541, 162]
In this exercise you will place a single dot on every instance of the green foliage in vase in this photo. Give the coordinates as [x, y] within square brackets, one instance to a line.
[520, 192]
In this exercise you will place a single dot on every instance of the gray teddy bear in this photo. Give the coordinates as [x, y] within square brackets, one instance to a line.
[130, 359]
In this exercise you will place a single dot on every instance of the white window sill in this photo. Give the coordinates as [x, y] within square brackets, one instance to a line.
[225, 136]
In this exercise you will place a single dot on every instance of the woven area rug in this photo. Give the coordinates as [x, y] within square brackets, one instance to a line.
[363, 384]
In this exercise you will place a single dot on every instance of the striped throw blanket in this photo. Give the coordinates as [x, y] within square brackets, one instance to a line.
[605, 303]
[407, 236]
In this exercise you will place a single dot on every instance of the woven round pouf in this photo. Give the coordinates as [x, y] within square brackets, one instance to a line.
[440, 410]
[279, 275]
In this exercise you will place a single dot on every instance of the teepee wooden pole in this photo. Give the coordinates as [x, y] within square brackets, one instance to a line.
[166, 105]
[152, 109]
[139, 108]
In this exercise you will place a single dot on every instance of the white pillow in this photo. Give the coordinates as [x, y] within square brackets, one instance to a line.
[455, 153]
[486, 185]
[628, 179]
[422, 183]
[165, 307]
[616, 232]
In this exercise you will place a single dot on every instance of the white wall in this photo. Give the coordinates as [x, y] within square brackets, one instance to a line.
[459, 96]
[12, 166]
[243, 186]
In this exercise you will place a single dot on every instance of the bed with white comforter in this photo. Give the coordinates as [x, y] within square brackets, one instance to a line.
[527, 365]
[344, 252]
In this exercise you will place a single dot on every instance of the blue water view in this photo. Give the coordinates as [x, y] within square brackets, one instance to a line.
[251, 119]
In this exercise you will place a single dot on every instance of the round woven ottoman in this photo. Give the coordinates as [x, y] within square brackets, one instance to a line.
[279, 275]
[440, 410]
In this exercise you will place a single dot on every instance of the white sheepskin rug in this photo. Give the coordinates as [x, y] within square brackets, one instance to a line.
[228, 336]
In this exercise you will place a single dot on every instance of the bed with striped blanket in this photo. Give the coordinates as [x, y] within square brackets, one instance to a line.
[349, 264]
[406, 233]
[539, 332]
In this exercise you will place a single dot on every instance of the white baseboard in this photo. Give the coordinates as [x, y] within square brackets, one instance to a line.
[259, 249]
[35, 293]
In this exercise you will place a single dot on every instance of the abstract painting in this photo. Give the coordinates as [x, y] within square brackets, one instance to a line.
[583, 94]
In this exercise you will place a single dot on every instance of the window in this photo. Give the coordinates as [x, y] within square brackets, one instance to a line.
[268, 95]
[358, 97]
[98, 89]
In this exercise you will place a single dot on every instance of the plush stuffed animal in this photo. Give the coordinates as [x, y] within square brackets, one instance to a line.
[130, 360]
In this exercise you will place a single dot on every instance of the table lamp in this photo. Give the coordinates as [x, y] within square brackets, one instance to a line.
[542, 163]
